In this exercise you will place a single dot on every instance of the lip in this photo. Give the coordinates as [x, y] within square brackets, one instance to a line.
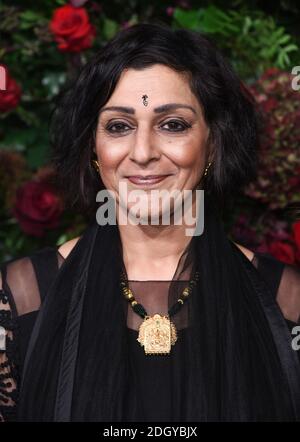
[147, 180]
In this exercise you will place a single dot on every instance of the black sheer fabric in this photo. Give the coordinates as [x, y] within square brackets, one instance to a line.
[233, 359]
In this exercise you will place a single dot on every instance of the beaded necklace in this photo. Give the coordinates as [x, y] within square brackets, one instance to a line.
[157, 333]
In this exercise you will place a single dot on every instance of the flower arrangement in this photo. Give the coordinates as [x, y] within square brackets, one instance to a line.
[272, 206]
[44, 46]
[278, 183]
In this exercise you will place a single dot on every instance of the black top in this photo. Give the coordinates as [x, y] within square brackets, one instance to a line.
[19, 306]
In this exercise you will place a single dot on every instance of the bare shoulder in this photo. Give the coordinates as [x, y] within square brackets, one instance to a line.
[66, 247]
[288, 295]
[247, 252]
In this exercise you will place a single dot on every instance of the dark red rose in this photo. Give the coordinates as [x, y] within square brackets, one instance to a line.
[72, 29]
[282, 251]
[37, 208]
[10, 97]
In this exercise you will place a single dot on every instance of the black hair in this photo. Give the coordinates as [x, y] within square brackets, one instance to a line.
[229, 109]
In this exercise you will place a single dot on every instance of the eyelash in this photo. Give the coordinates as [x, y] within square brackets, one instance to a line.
[185, 125]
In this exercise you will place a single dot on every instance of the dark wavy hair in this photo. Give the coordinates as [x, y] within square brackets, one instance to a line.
[229, 109]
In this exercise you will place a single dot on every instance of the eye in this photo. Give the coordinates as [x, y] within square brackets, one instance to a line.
[119, 126]
[184, 126]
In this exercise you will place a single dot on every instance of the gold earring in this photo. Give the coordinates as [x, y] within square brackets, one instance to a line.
[96, 165]
[206, 169]
[204, 175]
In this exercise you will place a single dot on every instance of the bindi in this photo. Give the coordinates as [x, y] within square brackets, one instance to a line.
[145, 102]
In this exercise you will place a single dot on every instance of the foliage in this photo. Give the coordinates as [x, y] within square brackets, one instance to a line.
[41, 59]
[253, 42]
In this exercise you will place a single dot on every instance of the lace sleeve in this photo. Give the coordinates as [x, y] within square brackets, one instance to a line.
[24, 282]
[284, 282]
[8, 358]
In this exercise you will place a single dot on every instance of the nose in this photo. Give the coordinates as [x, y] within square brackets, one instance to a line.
[144, 148]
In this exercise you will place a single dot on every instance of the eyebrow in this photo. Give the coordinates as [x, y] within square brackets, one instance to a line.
[158, 110]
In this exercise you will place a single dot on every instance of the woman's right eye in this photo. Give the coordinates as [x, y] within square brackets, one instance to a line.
[117, 125]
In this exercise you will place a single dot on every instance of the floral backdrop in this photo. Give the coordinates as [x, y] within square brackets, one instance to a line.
[44, 44]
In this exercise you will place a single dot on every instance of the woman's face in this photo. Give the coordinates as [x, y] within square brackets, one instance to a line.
[150, 139]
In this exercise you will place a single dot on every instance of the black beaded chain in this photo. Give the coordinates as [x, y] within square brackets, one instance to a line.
[139, 309]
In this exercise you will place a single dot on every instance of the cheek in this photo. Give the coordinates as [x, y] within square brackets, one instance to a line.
[188, 154]
[110, 154]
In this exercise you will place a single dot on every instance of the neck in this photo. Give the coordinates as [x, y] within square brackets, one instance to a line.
[152, 251]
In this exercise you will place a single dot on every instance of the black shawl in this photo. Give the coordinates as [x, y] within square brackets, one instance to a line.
[241, 364]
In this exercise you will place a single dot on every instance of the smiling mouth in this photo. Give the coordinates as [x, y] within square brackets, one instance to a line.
[150, 179]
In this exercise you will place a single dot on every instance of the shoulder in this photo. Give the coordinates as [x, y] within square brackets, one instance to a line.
[66, 247]
[288, 295]
[247, 252]
[284, 282]
[282, 278]
[25, 279]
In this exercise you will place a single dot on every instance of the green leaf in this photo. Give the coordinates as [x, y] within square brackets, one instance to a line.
[283, 60]
[30, 118]
[291, 47]
[284, 39]
[29, 19]
[188, 19]
[62, 238]
[30, 16]
[247, 25]
[110, 28]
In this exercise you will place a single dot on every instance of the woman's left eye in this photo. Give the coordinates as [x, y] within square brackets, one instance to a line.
[184, 126]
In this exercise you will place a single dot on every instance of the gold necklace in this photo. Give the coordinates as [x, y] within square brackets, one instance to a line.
[157, 333]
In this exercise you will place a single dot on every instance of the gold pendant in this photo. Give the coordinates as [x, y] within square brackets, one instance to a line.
[157, 333]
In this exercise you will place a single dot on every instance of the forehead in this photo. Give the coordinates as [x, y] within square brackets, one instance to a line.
[156, 82]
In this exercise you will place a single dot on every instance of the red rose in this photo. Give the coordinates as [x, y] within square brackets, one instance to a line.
[72, 29]
[10, 97]
[37, 208]
[282, 251]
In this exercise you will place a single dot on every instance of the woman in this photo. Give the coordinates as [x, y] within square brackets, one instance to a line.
[78, 347]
